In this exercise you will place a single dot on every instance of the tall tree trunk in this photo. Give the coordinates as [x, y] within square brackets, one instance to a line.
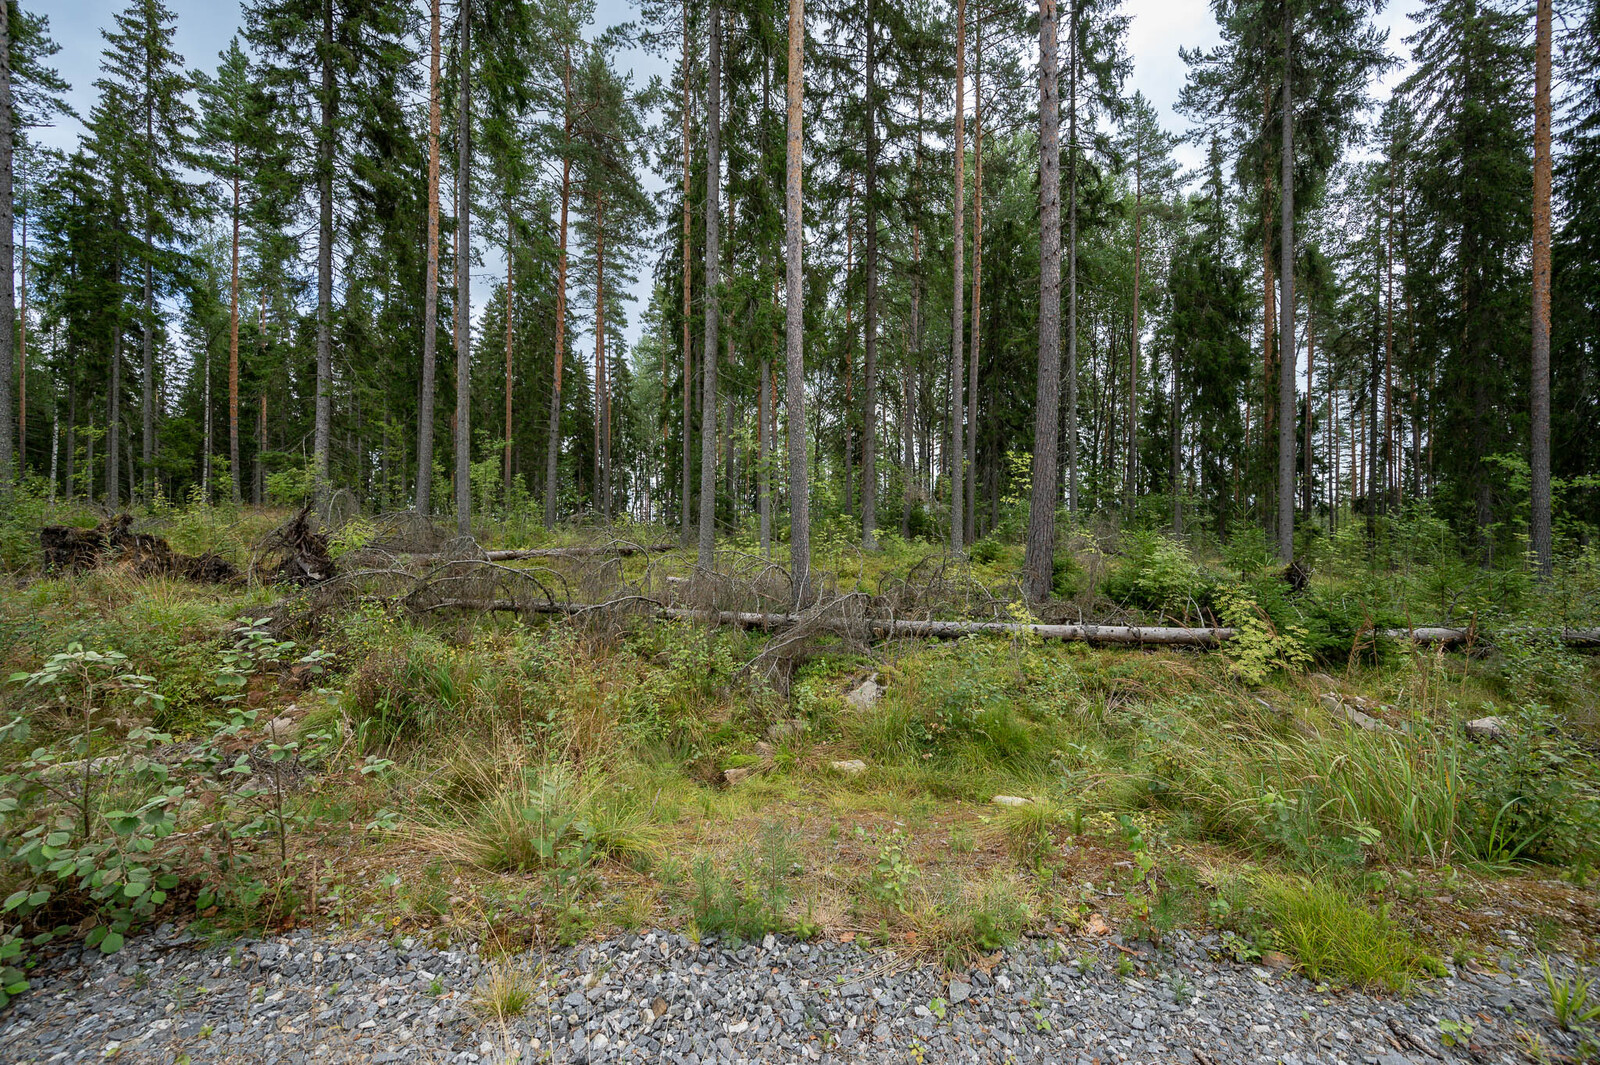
[688, 273]
[1286, 352]
[1390, 459]
[325, 135]
[977, 280]
[708, 410]
[763, 468]
[958, 270]
[1539, 455]
[147, 398]
[553, 438]
[1038, 563]
[911, 475]
[1072, 260]
[1132, 457]
[205, 455]
[464, 286]
[22, 356]
[511, 253]
[233, 345]
[114, 396]
[1177, 453]
[7, 254]
[1311, 365]
[430, 294]
[794, 327]
[602, 380]
[869, 400]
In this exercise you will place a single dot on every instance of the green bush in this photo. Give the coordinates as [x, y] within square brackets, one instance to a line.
[1531, 796]
[1158, 574]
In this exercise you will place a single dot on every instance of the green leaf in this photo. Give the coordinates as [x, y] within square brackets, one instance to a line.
[111, 943]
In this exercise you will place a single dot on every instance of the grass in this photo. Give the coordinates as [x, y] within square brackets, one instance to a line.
[504, 993]
[572, 775]
[1335, 937]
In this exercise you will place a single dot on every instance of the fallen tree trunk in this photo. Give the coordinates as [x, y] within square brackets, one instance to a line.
[883, 628]
[514, 554]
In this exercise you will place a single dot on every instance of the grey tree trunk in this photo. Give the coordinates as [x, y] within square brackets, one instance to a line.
[688, 360]
[958, 270]
[430, 295]
[1039, 558]
[1286, 352]
[7, 254]
[794, 327]
[553, 439]
[114, 406]
[325, 134]
[464, 287]
[1072, 261]
[147, 397]
[708, 408]
[764, 468]
[1539, 456]
[869, 402]
[233, 346]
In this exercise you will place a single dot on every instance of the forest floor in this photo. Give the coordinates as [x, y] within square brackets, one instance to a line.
[493, 797]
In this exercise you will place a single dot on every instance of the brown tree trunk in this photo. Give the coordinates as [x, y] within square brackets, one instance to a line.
[958, 271]
[464, 285]
[511, 252]
[1286, 350]
[7, 253]
[553, 439]
[794, 339]
[1039, 559]
[708, 411]
[430, 295]
[1131, 459]
[233, 344]
[323, 429]
[1072, 260]
[1539, 456]
[688, 360]
[869, 404]
[977, 279]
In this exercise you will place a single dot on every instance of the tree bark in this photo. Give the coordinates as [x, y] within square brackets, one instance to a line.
[794, 323]
[1539, 454]
[233, 345]
[553, 438]
[325, 134]
[430, 295]
[511, 252]
[1286, 352]
[7, 254]
[464, 286]
[114, 397]
[708, 410]
[958, 269]
[977, 281]
[602, 379]
[1039, 558]
[869, 399]
[1072, 261]
[1131, 458]
[688, 359]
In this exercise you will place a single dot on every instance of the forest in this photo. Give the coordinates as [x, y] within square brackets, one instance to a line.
[881, 481]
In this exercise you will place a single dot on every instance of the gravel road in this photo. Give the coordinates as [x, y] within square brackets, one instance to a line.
[309, 998]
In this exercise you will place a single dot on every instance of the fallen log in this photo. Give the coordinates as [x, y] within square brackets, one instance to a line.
[518, 553]
[884, 628]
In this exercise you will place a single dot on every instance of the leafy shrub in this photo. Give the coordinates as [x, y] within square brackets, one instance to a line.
[985, 551]
[1157, 574]
[750, 905]
[1258, 647]
[1528, 796]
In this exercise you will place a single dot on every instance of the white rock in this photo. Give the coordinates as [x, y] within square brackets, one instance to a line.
[1010, 800]
[1488, 728]
[850, 767]
[864, 694]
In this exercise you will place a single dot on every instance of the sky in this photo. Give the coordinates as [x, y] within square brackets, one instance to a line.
[204, 27]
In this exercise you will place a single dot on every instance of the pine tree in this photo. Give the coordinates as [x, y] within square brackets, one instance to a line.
[1039, 562]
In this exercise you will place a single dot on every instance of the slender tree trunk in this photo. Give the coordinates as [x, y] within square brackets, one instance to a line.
[1039, 558]
[114, 397]
[430, 295]
[602, 377]
[1072, 260]
[1539, 532]
[1177, 453]
[1390, 459]
[511, 253]
[708, 412]
[869, 403]
[22, 359]
[688, 274]
[794, 326]
[464, 286]
[233, 345]
[205, 455]
[763, 469]
[910, 476]
[958, 270]
[1311, 364]
[1131, 457]
[147, 398]
[977, 280]
[325, 140]
[553, 439]
[7, 254]
[1286, 352]
[849, 363]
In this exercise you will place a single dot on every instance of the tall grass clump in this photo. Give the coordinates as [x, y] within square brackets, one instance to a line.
[1335, 937]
